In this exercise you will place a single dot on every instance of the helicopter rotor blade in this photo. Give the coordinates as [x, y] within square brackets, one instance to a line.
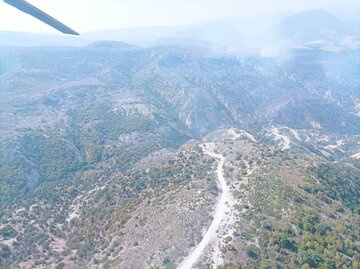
[40, 15]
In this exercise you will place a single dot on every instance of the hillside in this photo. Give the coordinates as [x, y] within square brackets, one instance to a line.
[102, 166]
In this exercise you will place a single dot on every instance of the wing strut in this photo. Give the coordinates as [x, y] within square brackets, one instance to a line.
[40, 15]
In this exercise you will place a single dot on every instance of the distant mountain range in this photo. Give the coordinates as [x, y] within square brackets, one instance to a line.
[241, 36]
[317, 25]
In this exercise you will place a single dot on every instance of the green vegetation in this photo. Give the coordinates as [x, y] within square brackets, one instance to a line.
[338, 183]
[301, 214]
[7, 232]
[36, 158]
[51, 154]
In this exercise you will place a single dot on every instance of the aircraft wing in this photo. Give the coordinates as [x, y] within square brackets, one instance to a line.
[40, 15]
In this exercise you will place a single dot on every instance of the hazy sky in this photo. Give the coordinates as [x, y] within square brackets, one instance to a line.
[89, 15]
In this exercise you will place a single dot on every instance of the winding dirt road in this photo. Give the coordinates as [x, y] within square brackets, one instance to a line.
[219, 215]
